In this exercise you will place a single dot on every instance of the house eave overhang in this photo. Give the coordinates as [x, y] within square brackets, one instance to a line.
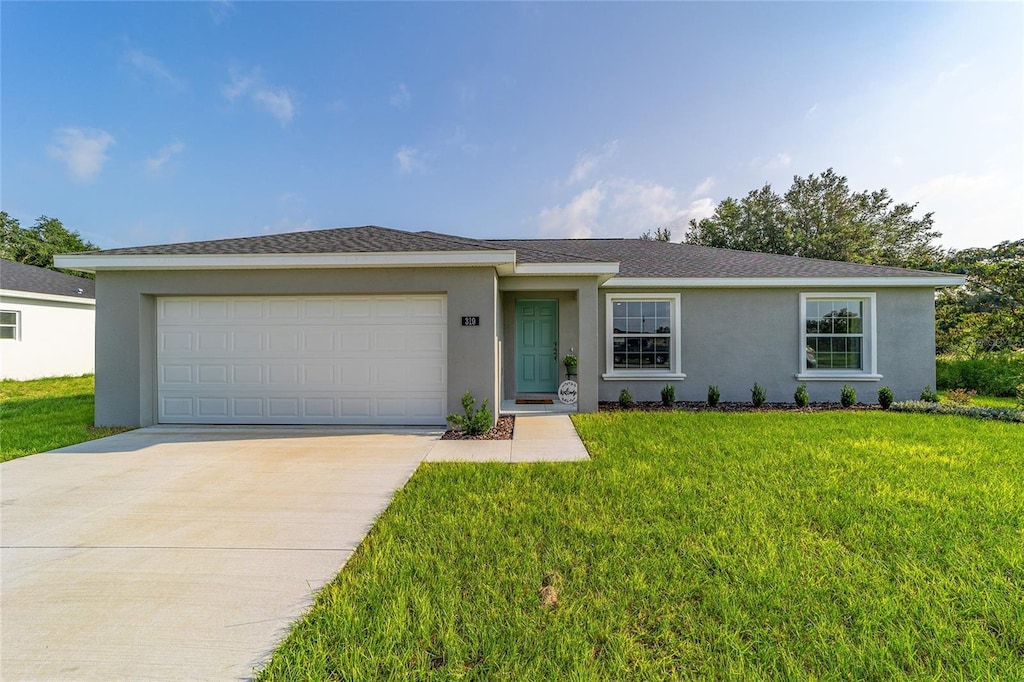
[37, 296]
[773, 282]
[603, 271]
[503, 260]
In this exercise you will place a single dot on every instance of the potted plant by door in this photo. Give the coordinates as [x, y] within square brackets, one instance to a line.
[571, 361]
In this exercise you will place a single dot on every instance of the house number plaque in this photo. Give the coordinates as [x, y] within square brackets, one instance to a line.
[470, 320]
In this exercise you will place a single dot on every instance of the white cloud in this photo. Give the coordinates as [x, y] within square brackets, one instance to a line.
[409, 159]
[401, 97]
[588, 162]
[622, 207]
[156, 163]
[288, 224]
[578, 219]
[83, 151]
[703, 188]
[950, 74]
[147, 65]
[773, 163]
[461, 141]
[811, 111]
[954, 186]
[276, 101]
[971, 209]
[221, 10]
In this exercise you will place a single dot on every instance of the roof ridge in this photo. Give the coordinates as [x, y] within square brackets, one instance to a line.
[570, 256]
[809, 258]
[455, 239]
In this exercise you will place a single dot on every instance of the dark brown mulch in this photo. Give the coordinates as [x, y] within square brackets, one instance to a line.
[699, 406]
[501, 431]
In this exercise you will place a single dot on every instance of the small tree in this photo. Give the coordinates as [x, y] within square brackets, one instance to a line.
[713, 396]
[885, 397]
[625, 399]
[668, 395]
[802, 398]
[847, 396]
[758, 395]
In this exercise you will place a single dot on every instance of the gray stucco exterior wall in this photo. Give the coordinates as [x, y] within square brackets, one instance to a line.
[126, 323]
[734, 337]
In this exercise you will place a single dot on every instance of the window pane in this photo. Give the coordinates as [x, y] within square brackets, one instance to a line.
[649, 309]
[634, 308]
[7, 317]
[8, 333]
[661, 309]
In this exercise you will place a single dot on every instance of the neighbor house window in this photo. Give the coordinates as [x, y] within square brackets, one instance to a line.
[643, 336]
[9, 320]
[837, 336]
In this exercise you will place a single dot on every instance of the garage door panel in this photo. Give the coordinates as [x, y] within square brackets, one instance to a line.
[302, 360]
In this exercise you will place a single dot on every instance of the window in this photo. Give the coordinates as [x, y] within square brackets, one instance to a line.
[837, 336]
[9, 324]
[643, 338]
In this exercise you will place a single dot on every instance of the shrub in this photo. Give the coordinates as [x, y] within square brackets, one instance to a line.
[625, 399]
[801, 397]
[885, 397]
[960, 396]
[474, 422]
[847, 396]
[713, 396]
[1020, 394]
[929, 396]
[758, 395]
[668, 395]
[1005, 414]
[988, 373]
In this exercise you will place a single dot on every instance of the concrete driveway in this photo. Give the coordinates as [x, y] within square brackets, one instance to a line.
[182, 553]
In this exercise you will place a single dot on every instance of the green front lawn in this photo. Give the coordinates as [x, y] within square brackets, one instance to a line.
[44, 414]
[859, 545]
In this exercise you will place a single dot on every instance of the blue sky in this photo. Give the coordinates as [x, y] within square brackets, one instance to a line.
[144, 123]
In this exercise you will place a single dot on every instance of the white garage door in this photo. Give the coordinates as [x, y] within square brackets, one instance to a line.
[302, 360]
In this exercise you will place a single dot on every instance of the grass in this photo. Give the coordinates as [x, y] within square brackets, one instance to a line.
[860, 545]
[44, 414]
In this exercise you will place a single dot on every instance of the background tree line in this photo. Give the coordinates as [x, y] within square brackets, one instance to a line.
[37, 245]
[819, 216]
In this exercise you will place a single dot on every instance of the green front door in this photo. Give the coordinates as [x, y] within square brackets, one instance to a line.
[536, 346]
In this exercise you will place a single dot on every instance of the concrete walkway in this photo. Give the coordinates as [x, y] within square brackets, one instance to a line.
[536, 438]
[186, 553]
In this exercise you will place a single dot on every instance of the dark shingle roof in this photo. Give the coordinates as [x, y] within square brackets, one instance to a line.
[369, 239]
[642, 258]
[20, 277]
[637, 257]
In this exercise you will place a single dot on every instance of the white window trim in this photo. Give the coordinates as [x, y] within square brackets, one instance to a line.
[675, 347]
[869, 346]
[16, 325]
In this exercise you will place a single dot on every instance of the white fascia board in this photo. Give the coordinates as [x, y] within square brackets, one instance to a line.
[567, 269]
[762, 282]
[263, 261]
[36, 296]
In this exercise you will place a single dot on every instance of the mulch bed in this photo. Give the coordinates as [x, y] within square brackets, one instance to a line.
[700, 406]
[501, 431]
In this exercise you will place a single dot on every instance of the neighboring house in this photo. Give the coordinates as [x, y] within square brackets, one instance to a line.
[370, 325]
[47, 322]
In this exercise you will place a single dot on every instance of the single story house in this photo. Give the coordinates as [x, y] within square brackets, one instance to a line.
[47, 322]
[370, 325]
